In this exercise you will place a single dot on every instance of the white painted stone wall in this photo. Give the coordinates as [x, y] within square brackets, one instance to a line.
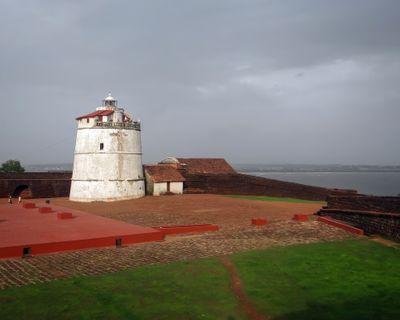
[160, 188]
[86, 123]
[114, 173]
[149, 183]
[176, 187]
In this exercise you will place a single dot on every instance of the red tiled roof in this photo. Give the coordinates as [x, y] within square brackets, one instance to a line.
[206, 165]
[162, 173]
[96, 114]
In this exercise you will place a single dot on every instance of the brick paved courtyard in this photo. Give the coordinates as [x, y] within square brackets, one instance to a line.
[233, 216]
[192, 209]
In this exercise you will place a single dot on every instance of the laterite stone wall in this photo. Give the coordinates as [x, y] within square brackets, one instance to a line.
[363, 202]
[385, 224]
[373, 214]
[251, 185]
[40, 184]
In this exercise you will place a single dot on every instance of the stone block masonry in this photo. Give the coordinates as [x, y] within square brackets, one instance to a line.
[244, 184]
[385, 224]
[375, 215]
[55, 184]
[364, 202]
[39, 184]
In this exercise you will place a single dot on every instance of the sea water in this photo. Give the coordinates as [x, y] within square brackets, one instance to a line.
[374, 183]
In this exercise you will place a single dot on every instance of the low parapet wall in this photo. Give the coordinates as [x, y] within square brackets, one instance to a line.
[363, 202]
[238, 183]
[385, 224]
[373, 214]
[39, 184]
[57, 184]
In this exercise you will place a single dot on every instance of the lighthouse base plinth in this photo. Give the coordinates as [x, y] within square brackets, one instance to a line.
[89, 191]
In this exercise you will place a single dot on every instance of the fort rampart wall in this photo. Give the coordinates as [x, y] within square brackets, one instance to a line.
[364, 202]
[39, 184]
[244, 184]
[55, 184]
[373, 214]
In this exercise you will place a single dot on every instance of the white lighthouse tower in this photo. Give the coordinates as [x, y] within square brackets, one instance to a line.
[108, 156]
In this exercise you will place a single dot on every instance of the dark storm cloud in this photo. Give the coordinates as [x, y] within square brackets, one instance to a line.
[252, 81]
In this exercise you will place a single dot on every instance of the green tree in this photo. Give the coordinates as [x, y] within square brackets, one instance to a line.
[12, 166]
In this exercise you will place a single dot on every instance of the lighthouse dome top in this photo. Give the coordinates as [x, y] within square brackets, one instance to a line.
[109, 97]
[110, 101]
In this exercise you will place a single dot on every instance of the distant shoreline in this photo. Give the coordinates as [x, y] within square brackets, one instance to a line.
[302, 168]
[317, 171]
[258, 168]
[381, 183]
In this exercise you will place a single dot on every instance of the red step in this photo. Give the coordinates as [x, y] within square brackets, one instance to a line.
[300, 217]
[45, 210]
[259, 221]
[29, 205]
[64, 215]
[341, 225]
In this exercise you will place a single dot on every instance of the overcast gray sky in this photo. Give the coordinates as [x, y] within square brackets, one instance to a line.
[253, 81]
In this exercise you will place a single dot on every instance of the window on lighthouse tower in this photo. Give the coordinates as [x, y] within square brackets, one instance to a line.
[101, 146]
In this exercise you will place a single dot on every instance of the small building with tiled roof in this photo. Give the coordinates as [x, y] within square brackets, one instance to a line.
[200, 165]
[163, 179]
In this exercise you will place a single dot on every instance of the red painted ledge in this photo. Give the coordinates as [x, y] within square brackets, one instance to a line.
[29, 205]
[300, 217]
[341, 225]
[259, 221]
[45, 210]
[187, 228]
[64, 215]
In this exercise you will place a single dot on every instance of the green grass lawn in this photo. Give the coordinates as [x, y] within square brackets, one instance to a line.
[186, 290]
[356, 279]
[277, 199]
[337, 280]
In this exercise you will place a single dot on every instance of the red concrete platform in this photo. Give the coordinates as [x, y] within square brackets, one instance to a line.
[44, 233]
[341, 225]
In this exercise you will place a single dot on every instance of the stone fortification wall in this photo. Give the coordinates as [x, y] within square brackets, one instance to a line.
[365, 203]
[372, 222]
[40, 184]
[55, 184]
[375, 215]
[243, 184]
